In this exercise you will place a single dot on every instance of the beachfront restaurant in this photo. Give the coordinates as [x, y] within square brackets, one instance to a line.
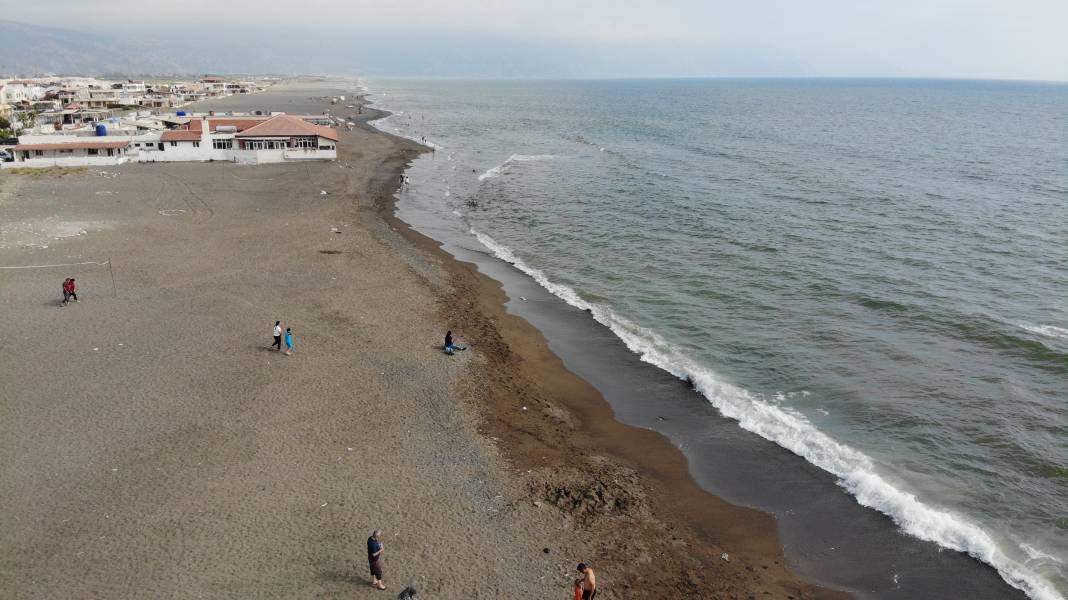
[284, 138]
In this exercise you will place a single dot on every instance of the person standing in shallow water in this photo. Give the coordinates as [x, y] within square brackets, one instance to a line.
[277, 336]
[374, 559]
[289, 341]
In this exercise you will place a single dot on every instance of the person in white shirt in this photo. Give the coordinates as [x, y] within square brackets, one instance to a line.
[277, 336]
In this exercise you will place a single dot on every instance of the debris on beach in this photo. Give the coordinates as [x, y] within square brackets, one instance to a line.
[725, 556]
[322, 192]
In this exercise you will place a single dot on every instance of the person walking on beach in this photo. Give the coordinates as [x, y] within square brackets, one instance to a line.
[70, 291]
[450, 347]
[277, 335]
[588, 582]
[374, 559]
[289, 342]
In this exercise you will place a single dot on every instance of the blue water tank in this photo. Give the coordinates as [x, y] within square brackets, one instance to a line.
[180, 113]
[101, 130]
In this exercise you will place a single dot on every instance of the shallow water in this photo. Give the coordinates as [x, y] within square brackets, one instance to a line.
[869, 273]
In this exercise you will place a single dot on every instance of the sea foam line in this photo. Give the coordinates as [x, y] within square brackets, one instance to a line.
[495, 171]
[1047, 330]
[855, 471]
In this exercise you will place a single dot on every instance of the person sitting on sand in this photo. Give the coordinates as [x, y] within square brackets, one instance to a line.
[374, 559]
[407, 593]
[450, 347]
[588, 582]
[289, 341]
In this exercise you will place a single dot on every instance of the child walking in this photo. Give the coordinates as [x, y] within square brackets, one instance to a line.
[289, 341]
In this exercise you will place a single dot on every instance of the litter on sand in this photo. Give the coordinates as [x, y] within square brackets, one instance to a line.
[322, 192]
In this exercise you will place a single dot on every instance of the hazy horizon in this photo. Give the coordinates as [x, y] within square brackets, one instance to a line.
[956, 39]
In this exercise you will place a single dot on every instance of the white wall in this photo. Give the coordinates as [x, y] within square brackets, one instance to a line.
[52, 158]
[310, 154]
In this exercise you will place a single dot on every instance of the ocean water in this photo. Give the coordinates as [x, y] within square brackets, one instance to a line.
[872, 274]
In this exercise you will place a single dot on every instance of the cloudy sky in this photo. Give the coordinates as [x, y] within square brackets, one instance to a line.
[1020, 39]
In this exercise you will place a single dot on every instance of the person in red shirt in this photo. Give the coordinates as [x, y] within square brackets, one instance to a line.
[70, 291]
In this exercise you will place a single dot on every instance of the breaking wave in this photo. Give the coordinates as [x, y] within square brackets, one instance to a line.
[501, 168]
[855, 471]
[1047, 330]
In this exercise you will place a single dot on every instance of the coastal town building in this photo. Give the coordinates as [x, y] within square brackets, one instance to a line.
[244, 139]
[69, 153]
[68, 102]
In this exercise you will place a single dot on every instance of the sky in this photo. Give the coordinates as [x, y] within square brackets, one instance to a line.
[999, 39]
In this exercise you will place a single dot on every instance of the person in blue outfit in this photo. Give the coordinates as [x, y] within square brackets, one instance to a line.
[450, 347]
[289, 341]
[374, 559]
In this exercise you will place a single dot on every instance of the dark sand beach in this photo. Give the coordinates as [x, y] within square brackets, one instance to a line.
[153, 445]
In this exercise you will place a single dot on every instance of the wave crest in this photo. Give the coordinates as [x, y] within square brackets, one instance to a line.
[501, 168]
[855, 471]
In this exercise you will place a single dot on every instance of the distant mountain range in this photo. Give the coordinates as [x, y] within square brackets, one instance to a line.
[34, 50]
[28, 50]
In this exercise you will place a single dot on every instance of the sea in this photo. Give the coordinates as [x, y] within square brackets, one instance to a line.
[870, 274]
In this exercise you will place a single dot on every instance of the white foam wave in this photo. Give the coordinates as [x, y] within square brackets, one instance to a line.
[1047, 330]
[495, 171]
[856, 472]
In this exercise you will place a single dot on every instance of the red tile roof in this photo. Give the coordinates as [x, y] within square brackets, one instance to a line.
[241, 123]
[179, 135]
[287, 126]
[72, 145]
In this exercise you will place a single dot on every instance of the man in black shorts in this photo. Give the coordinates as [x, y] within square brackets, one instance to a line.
[588, 583]
[374, 559]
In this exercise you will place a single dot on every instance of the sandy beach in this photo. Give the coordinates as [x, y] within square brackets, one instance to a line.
[153, 445]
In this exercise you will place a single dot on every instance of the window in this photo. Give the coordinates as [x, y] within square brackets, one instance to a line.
[38, 152]
[222, 144]
[326, 147]
[306, 142]
[265, 144]
[174, 144]
[66, 151]
[196, 144]
[93, 152]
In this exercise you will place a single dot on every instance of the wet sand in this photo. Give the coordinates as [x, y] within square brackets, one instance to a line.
[154, 445]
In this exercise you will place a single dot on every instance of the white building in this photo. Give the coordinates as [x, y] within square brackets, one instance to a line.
[241, 139]
[284, 138]
[69, 151]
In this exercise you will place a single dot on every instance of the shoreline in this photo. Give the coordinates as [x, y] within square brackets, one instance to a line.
[577, 421]
[830, 538]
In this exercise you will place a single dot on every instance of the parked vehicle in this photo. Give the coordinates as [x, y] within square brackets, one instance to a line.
[6, 156]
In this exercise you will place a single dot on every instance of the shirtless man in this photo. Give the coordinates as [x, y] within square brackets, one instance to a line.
[588, 583]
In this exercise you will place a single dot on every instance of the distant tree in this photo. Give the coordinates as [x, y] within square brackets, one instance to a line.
[4, 123]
